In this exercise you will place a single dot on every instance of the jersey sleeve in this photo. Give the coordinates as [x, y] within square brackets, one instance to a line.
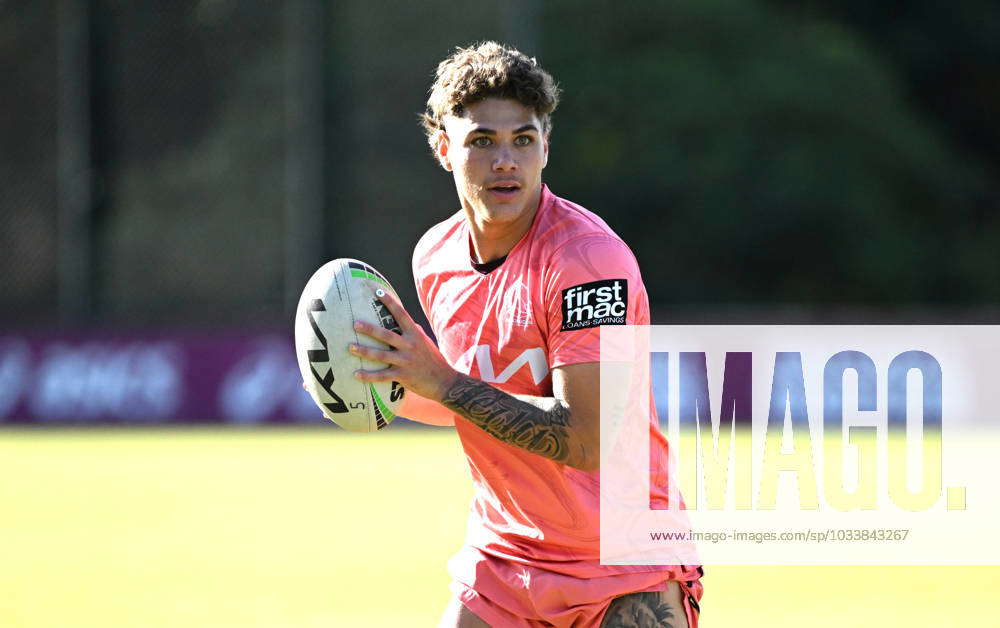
[590, 281]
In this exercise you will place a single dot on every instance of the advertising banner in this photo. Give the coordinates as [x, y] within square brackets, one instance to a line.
[152, 378]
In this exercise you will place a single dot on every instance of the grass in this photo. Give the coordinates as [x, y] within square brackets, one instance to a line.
[315, 527]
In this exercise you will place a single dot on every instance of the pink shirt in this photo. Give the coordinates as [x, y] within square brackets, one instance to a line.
[539, 310]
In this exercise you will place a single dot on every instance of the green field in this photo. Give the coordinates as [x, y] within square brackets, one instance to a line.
[315, 527]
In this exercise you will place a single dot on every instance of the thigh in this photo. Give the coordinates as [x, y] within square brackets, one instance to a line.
[651, 609]
[457, 615]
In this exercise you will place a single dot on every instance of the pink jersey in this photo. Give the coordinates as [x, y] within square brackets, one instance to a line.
[540, 309]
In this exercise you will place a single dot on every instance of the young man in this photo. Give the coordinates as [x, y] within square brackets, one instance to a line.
[515, 285]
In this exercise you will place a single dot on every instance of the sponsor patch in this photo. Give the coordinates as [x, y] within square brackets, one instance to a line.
[595, 303]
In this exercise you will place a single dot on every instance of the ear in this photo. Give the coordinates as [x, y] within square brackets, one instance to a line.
[443, 145]
[545, 149]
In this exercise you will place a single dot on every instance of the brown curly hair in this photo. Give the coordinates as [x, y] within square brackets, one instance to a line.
[487, 70]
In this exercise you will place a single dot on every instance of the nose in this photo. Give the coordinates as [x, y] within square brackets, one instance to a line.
[504, 161]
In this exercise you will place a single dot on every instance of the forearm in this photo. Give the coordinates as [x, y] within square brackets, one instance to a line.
[541, 425]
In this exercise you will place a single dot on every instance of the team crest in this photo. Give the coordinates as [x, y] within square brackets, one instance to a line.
[516, 306]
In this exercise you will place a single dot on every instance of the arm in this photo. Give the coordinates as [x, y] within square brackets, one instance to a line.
[564, 428]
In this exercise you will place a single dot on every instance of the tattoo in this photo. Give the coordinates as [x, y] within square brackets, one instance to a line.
[638, 610]
[514, 420]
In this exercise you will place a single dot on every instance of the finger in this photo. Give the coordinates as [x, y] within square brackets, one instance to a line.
[373, 354]
[377, 332]
[384, 375]
[396, 309]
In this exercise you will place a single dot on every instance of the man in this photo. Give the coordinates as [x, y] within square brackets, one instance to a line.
[515, 286]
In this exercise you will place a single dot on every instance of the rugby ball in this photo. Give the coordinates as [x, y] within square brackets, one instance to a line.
[338, 294]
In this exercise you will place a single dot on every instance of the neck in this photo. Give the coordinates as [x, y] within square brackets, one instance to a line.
[493, 240]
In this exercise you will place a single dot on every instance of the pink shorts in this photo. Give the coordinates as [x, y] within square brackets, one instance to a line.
[507, 594]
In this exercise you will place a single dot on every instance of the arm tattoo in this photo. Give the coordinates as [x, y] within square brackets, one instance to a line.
[638, 610]
[517, 420]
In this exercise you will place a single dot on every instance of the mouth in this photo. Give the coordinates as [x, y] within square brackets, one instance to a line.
[504, 189]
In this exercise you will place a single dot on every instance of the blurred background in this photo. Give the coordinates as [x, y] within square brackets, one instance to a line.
[172, 174]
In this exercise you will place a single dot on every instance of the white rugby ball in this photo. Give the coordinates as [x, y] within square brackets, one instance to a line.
[340, 292]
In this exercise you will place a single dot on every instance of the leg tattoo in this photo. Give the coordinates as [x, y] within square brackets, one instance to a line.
[638, 610]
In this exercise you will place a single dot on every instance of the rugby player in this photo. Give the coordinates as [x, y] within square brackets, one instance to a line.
[515, 286]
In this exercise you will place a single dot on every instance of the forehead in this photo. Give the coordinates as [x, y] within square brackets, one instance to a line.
[498, 114]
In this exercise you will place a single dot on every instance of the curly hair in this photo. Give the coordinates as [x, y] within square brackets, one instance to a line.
[487, 70]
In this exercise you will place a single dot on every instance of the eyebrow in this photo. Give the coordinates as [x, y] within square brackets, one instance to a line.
[484, 131]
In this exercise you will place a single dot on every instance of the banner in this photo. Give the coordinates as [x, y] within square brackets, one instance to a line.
[152, 378]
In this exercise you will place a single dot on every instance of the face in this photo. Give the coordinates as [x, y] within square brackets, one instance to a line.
[496, 151]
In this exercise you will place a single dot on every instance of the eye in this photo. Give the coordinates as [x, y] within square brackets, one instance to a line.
[523, 140]
[481, 142]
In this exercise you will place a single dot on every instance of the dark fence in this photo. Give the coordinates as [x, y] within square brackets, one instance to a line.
[194, 161]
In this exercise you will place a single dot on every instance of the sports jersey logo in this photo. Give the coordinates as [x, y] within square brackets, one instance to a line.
[516, 307]
[595, 303]
[534, 358]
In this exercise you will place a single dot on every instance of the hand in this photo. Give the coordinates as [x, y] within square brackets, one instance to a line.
[414, 360]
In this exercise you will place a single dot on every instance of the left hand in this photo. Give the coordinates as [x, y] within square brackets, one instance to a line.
[414, 360]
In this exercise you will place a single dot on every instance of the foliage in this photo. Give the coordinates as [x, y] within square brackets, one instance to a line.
[750, 155]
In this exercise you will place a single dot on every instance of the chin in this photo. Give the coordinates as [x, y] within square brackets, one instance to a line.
[502, 212]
